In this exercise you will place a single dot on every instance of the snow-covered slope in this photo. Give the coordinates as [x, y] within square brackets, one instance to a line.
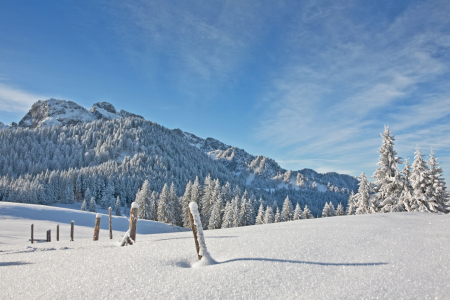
[381, 256]
[55, 112]
[16, 220]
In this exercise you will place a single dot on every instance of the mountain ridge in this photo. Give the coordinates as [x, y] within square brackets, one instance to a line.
[257, 171]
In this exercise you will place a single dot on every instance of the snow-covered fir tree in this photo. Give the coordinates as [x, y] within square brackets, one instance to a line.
[84, 205]
[143, 199]
[118, 207]
[227, 221]
[421, 182]
[388, 180]
[287, 211]
[325, 211]
[307, 213]
[298, 214]
[165, 213]
[260, 216]
[340, 210]
[269, 216]
[436, 188]
[351, 204]
[364, 203]
[277, 216]
[92, 205]
[185, 200]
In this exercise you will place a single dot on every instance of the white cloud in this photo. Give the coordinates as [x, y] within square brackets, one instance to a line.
[346, 80]
[16, 100]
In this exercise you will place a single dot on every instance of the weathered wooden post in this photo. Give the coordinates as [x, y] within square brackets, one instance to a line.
[194, 231]
[32, 233]
[49, 235]
[133, 220]
[98, 218]
[72, 225]
[110, 225]
[57, 233]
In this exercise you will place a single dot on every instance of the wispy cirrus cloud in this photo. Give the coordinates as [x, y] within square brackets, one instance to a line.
[360, 77]
[13, 99]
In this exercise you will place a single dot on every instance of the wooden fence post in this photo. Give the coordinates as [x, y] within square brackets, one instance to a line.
[57, 233]
[110, 225]
[72, 225]
[194, 231]
[133, 220]
[98, 218]
[32, 233]
[49, 235]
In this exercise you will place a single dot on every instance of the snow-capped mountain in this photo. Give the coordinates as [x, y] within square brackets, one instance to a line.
[55, 112]
[263, 172]
[257, 171]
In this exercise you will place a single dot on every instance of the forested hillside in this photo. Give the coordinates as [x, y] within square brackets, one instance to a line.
[60, 150]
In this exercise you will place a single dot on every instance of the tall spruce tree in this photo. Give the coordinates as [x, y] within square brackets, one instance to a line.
[364, 203]
[260, 216]
[287, 211]
[298, 214]
[185, 200]
[388, 180]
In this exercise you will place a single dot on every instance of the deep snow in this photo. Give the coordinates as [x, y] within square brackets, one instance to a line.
[387, 256]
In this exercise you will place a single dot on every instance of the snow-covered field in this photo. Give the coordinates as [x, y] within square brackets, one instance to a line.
[387, 256]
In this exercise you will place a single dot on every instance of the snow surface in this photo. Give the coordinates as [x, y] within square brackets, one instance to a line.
[387, 256]
[16, 220]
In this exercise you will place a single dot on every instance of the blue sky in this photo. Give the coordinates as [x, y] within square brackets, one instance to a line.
[308, 83]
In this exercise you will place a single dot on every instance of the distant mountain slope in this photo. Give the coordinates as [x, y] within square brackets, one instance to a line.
[263, 172]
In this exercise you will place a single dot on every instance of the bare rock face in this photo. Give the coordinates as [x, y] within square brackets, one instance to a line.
[126, 114]
[104, 110]
[55, 112]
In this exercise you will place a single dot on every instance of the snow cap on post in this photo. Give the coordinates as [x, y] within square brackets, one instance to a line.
[98, 216]
[134, 205]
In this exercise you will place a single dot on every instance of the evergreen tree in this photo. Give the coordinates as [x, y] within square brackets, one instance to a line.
[206, 200]
[84, 205]
[325, 211]
[214, 220]
[153, 215]
[227, 221]
[185, 200]
[143, 199]
[269, 216]
[340, 210]
[277, 216]
[298, 214]
[351, 204]
[93, 205]
[87, 198]
[235, 211]
[362, 198]
[422, 182]
[307, 213]
[117, 207]
[287, 212]
[175, 207]
[436, 188]
[332, 210]
[388, 179]
[260, 216]
[406, 196]
[165, 213]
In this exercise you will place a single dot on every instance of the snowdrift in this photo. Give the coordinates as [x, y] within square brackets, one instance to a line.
[387, 256]
[16, 220]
